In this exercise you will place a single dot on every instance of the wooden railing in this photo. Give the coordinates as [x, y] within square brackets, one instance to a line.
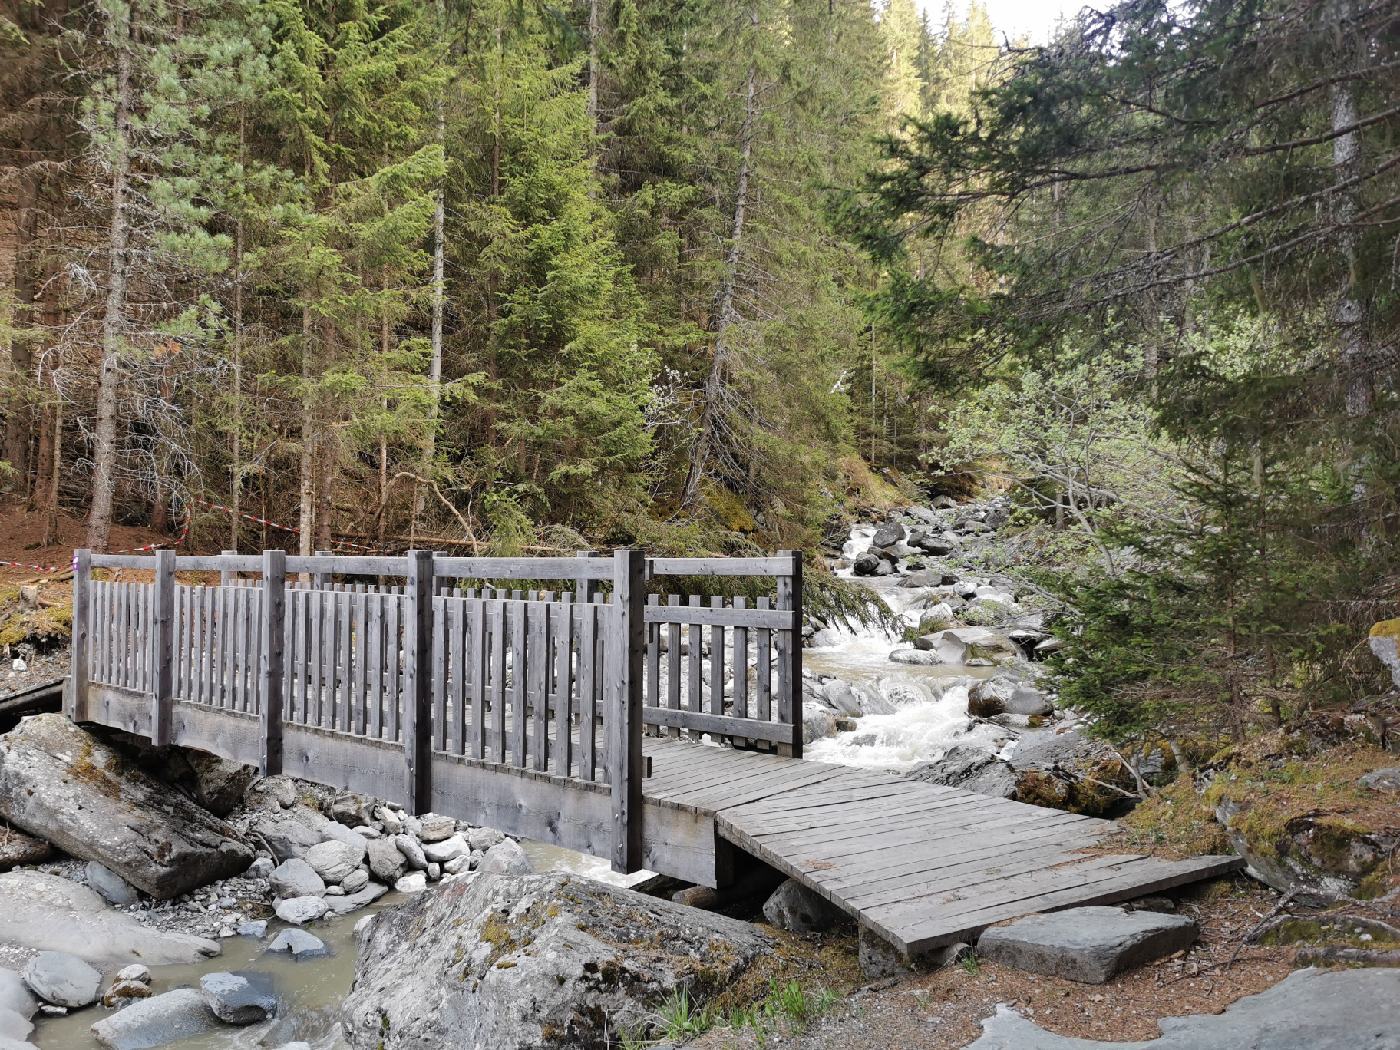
[560, 683]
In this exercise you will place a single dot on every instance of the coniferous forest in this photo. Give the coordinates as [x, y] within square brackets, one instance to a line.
[711, 275]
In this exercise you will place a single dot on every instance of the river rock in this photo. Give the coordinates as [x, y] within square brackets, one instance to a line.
[970, 769]
[300, 910]
[917, 657]
[989, 697]
[482, 839]
[299, 944]
[1308, 1010]
[1090, 944]
[62, 979]
[161, 1019]
[110, 885]
[239, 998]
[413, 882]
[291, 832]
[354, 901]
[440, 852]
[436, 827]
[217, 784]
[514, 962]
[15, 995]
[386, 860]
[1383, 780]
[14, 1031]
[18, 848]
[335, 859]
[1028, 700]
[505, 858]
[46, 912]
[841, 696]
[868, 564]
[296, 878]
[797, 909]
[962, 644]
[352, 810]
[64, 785]
[355, 881]
[412, 852]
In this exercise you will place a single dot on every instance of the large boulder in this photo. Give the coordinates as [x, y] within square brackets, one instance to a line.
[970, 769]
[61, 783]
[535, 961]
[794, 907]
[49, 913]
[165, 1018]
[17, 848]
[962, 644]
[216, 783]
[888, 534]
[62, 979]
[1088, 944]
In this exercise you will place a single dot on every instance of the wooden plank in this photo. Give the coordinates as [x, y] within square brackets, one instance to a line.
[790, 654]
[162, 645]
[741, 663]
[393, 667]
[720, 725]
[525, 568]
[694, 659]
[673, 663]
[375, 645]
[695, 613]
[717, 662]
[716, 566]
[456, 615]
[763, 666]
[653, 671]
[315, 653]
[438, 691]
[330, 601]
[346, 635]
[499, 644]
[418, 682]
[480, 669]
[625, 769]
[561, 630]
[519, 699]
[359, 691]
[587, 691]
[80, 655]
[536, 682]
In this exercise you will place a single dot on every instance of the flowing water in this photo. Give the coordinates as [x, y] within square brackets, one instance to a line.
[917, 714]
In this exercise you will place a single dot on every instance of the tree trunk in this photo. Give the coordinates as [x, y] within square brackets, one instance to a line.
[104, 445]
[51, 535]
[593, 30]
[19, 421]
[439, 308]
[306, 520]
[235, 494]
[1350, 313]
[726, 314]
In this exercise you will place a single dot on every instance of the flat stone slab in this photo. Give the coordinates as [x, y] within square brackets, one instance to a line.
[1086, 944]
[1308, 1010]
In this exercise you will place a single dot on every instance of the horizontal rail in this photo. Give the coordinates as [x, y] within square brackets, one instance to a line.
[719, 566]
[722, 725]
[524, 568]
[777, 619]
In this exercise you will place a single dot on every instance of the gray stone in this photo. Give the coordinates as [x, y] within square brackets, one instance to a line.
[442, 851]
[14, 1031]
[512, 962]
[386, 860]
[291, 832]
[354, 901]
[299, 910]
[355, 881]
[15, 995]
[877, 957]
[458, 865]
[161, 1019]
[296, 878]
[795, 908]
[351, 810]
[505, 858]
[970, 769]
[989, 698]
[299, 944]
[62, 979]
[239, 998]
[1308, 1010]
[256, 929]
[64, 785]
[412, 851]
[918, 657]
[1387, 780]
[888, 534]
[436, 827]
[134, 972]
[217, 784]
[18, 848]
[868, 564]
[827, 638]
[261, 868]
[335, 859]
[843, 697]
[413, 882]
[45, 912]
[1044, 749]
[434, 871]
[1087, 944]
[482, 839]
[1027, 700]
[389, 819]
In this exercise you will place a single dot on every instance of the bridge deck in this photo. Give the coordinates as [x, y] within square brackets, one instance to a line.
[920, 865]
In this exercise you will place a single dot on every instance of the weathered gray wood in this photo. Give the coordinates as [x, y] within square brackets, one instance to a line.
[790, 653]
[561, 617]
[499, 645]
[162, 642]
[722, 725]
[374, 645]
[418, 682]
[580, 568]
[519, 699]
[219, 563]
[763, 667]
[673, 659]
[717, 662]
[537, 682]
[79, 660]
[480, 657]
[393, 673]
[586, 586]
[346, 634]
[274, 575]
[696, 614]
[359, 690]
[717, 566]
[455, 614]
[587, 691]
[740, 637]
[625, 767]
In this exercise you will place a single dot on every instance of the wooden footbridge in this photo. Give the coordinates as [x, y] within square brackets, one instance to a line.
[661, 735]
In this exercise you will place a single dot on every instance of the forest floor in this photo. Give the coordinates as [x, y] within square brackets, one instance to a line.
[24, 556]
[943, 1009]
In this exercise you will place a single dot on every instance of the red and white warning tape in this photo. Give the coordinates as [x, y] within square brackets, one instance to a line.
[295, 530]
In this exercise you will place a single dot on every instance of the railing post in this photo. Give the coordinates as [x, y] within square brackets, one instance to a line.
[418, 716]
[790, 654]
[227, 576]
[79, 657]
[163, 651]
[584, 587]
[321, 580]
[625, 770]
[270, 660]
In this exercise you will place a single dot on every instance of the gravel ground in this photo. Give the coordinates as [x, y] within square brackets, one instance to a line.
[943, 1009]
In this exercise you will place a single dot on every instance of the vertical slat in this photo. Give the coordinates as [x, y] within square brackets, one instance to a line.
[330, 600]
[741, 664]
[124, 634]
[499, 623]
[480, 657]
[654, 659]
[270, 659]
[625, 708]
[393, 659]
[361, 654]
[537, 679]
[199, 644]
[790, 655]
[763, 665]
[241, 684]
[457, 644]
[418, 681]
[228, 617]
[673, 664]
[519, 699]
[79, 658]
[439, 658]
[161, 644]
[561, 630]
[587, 691]
[374, 645]
[716, 661]
[345, 633]
[315, 654]
[695, 676]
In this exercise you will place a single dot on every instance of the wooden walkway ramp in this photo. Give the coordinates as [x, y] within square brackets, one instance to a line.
[592, 716]
[921, 866]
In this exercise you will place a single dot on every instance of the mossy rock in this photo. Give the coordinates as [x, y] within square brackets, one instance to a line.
[1089, 791]
[1345, 931]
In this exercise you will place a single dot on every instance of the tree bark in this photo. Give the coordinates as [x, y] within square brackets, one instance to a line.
[725, 314]
[120, 30]
[1350, 314]
[306, 520]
